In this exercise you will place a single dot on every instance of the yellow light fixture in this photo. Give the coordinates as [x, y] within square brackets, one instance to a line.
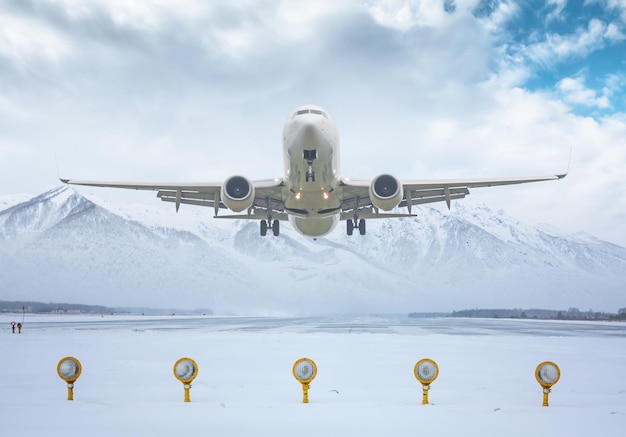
[69, 369]
[304, 370]
[547, 374]
[426, 371]
[185, 370]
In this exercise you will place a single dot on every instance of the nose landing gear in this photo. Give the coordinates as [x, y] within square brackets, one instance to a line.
[310, 174]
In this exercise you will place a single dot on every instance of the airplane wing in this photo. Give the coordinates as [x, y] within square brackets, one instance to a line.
[356, 193]
[267, 194]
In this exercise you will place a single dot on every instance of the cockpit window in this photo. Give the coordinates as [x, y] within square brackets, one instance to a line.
[311, 111]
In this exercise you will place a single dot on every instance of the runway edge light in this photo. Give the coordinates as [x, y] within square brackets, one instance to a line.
[69, 369]
[304, 370]
[426, 371]
[547, 374]
[186, 370]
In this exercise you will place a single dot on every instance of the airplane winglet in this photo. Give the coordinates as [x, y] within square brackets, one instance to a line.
[569, 162]
[56, 161]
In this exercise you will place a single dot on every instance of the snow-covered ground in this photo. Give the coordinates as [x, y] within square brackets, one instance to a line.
[364, 386]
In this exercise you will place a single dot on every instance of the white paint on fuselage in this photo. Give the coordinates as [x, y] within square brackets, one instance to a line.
[312, 202]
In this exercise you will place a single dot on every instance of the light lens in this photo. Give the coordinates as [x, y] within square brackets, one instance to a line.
[548, 373]
[426, 371]
[68, 369]
[304, 370]
[185, 370]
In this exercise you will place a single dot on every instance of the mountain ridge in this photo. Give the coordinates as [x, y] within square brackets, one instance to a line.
[61, 245]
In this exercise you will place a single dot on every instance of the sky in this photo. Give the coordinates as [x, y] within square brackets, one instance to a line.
[190, 90]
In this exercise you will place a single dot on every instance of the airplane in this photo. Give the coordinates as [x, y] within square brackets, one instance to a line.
[312, 195]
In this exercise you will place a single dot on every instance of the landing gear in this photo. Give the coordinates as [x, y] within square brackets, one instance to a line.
[351, 224]
[309, 156]
[275, 225]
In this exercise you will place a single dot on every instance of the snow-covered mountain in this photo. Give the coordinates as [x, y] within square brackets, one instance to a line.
[62, 246]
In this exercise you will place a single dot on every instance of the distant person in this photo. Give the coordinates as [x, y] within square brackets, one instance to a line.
[19, 328]
[13, 327]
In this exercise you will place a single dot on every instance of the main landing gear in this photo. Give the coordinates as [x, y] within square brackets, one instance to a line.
[352, 224]
[274, 225]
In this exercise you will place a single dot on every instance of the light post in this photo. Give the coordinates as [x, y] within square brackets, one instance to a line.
[304, 370]
[69, 369]
[185, 370]
[426, 371]
[547, 374]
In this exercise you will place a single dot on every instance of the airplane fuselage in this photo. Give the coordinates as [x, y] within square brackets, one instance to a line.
[311, 158]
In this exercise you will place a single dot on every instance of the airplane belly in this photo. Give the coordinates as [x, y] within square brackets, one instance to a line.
[317, 227]
[312, 205]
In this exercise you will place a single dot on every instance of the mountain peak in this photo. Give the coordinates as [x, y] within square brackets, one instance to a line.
[41, 212]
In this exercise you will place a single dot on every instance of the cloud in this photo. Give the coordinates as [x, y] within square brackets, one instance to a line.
[404, 15]
[575, 92]
[557, 47]
[557, 6]
[23, 41]
[612, 5]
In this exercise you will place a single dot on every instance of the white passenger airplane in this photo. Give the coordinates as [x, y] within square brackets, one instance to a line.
[312, 195]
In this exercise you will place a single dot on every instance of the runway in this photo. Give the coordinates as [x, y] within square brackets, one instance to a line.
[364, 386]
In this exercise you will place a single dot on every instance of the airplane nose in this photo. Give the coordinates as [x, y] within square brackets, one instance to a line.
[309, 134]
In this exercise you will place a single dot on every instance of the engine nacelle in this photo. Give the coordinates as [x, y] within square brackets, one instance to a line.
[386, 192]
[237, 193]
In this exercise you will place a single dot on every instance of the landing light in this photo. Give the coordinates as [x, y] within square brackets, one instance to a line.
[69, 369]
[185, 370]
[547, 374]
[298, 195]
[325, 195]
[426, 371]
[304, 370]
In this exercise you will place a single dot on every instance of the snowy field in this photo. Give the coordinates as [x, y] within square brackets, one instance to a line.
[364, 386]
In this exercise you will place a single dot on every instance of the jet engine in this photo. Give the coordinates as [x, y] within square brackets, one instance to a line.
[237, 193]
[385, 192]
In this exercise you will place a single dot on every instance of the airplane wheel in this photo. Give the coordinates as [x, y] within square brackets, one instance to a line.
[349, 227]
[263, 228]
[276, 228]
[362, 227]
